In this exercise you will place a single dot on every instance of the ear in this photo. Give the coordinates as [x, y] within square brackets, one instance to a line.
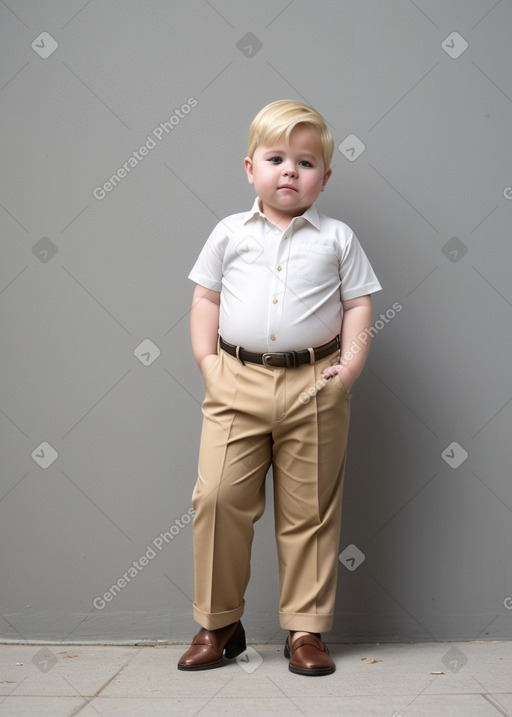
[249, 170]
[325, 179]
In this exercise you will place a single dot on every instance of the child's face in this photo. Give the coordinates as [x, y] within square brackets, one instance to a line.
[288, 177]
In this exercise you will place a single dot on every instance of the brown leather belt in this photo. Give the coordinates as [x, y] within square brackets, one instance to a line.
[282, 359]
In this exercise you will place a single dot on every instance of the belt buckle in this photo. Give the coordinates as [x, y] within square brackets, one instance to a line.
[265, 357]
[289, 358]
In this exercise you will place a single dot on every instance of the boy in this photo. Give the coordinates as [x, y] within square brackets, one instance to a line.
[281, 294]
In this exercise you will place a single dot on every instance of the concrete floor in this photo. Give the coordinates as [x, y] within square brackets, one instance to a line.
[399, 680]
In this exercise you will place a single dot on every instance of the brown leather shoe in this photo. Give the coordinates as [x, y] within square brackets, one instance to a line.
[207, 647]
[309, 655]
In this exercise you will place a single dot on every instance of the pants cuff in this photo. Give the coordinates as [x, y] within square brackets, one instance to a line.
[309, 622]
[215, 620]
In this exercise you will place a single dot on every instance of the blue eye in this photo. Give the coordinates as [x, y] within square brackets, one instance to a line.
[305, 163]
[275, 160]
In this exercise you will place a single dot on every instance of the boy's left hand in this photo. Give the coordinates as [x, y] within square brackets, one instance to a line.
[342, 373]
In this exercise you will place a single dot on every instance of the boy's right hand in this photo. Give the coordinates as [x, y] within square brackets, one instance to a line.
[206, 363]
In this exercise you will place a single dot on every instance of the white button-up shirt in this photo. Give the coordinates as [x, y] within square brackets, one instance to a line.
[282, 290]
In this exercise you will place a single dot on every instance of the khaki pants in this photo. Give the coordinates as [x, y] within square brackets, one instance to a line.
[253, 416]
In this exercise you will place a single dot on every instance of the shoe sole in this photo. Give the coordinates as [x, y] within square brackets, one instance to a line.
[196, 668]
[311, 673]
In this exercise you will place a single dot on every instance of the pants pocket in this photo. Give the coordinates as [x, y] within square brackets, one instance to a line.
[212, 369]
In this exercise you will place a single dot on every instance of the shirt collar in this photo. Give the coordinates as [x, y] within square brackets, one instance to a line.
[310, 215]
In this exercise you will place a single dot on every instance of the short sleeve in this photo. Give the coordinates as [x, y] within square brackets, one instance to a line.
[357, 275]
[207, 271]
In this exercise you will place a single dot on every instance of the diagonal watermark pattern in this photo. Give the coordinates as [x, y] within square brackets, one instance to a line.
[110, 188]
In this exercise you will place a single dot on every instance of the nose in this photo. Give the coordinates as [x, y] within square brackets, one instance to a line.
[289, 169]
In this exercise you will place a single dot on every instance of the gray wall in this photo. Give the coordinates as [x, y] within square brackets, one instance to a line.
[94, 302]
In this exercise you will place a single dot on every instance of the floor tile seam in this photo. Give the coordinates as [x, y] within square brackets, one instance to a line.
[254, 697]
[275, 645]
[487, 697]
[494, 703]
[106, 684]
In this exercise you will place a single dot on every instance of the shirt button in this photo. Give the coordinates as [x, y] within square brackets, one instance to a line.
[274, 301]
[279, 268]
[272, 337]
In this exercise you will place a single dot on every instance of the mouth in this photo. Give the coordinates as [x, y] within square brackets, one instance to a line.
[288, 186]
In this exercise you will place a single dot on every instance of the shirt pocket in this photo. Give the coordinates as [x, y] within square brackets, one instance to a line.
[315, 263]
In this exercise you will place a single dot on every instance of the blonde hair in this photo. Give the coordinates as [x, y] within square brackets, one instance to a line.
[277, 121]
